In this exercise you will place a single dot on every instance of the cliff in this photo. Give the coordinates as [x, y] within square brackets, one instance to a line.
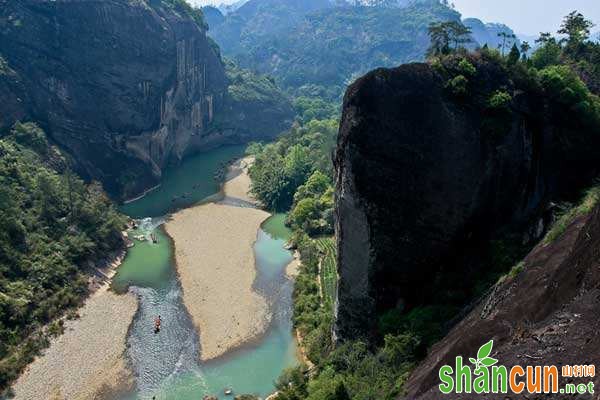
[546, 315]
[433, 162]
[125, 87]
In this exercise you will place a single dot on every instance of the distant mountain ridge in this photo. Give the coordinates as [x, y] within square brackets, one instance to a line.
[487, 33]
[329, 43]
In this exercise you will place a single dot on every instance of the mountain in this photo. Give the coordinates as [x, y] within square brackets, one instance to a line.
[329, 44]
[487, 33]
[213, 16]
[445, 172]
[257, 19]
[124, 87]
[229, 8]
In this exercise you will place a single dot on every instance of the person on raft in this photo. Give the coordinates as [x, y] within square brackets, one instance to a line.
[157, 322]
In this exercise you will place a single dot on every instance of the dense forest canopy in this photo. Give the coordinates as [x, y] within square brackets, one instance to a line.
[329, 44]
[51, 225]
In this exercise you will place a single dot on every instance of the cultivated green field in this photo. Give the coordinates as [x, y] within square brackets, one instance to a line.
[328, 275]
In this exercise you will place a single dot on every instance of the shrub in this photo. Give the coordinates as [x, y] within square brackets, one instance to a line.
[500, 100]
[458, 85]
[569, 213]
[30, 135]
[466, 68]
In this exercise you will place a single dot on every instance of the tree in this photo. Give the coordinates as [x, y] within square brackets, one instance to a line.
[440, 39]
[548, 53]
[525, 47]
[576, 27]
[514, 55]
[506, 38]
[544, 38]
[459, 34]
[443, 34]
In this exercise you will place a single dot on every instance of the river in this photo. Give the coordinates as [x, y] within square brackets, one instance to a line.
[167, 365]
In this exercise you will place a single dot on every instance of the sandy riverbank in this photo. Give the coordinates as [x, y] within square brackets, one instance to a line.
[215, 261]
[88, 359]
[239, 186]
[214, 250]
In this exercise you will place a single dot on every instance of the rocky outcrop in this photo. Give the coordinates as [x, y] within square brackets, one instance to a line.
[424, 177]
[126, 87]
[547, 315]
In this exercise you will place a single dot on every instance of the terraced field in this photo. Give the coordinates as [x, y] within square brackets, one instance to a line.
[328, 274]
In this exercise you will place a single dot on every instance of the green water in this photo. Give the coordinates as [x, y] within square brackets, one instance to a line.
[250, 372]
[182, 186]
[275, 226]
[147, 264]
[166, 365]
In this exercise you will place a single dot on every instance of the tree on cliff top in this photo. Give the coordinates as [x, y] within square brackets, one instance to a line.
[576, 27]
[445, 34]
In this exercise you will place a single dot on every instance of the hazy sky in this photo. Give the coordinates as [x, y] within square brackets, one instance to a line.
[528, 16]
[523, 16]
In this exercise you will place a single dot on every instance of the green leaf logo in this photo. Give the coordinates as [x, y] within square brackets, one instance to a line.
[483, 359]
[485, 350]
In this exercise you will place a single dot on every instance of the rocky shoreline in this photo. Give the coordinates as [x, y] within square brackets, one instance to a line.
[87, 360]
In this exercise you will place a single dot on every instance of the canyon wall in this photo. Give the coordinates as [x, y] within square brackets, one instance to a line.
[124, 86]
[426, 176]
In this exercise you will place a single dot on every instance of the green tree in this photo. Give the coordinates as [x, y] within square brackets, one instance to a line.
[549, 52]
[525, 47]
[576, 27]
[445, 34]
[439, 38]
[297, 165]
[305, 211]
[514, 55]
[506, 40]
[459, 34]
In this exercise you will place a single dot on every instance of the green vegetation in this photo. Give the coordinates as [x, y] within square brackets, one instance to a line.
[485, 80]
[353, 371]
[52, 224]
[447, 36]
[315, 108]
[568, 213]
[4, 68]
[294, 173]
[253, 104]
[318, 43]
[312, 318]
[245, 86]
[328, 270]
[182, 6]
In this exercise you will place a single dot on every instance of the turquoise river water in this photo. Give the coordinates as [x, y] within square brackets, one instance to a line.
[167, 365]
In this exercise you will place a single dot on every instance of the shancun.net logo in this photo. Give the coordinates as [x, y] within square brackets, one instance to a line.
[485, 376]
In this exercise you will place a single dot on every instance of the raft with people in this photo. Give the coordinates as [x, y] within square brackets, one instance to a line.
[157, 323]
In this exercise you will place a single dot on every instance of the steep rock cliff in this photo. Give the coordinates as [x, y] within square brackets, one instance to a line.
[426, 174]
[547, 315]
[126, 87]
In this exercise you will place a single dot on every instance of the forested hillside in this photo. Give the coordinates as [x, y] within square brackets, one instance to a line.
[483, 83]
[323, 46]
[51, 225]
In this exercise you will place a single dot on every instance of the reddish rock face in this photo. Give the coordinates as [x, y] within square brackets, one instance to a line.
[546, 315]
[423, 183]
